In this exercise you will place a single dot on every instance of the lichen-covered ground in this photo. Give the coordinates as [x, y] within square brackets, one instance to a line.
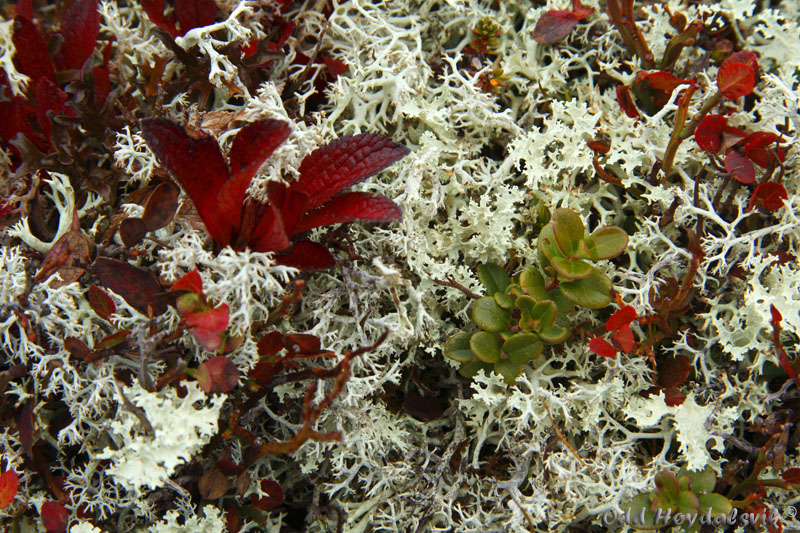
[118, 415]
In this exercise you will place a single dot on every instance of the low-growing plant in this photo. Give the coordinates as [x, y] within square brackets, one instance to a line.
[518, 316]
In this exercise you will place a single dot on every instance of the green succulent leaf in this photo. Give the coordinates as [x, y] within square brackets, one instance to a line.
[568, 230]
[469, 370]
[504, 300]
[604, 243]
[457, 348]
[639, 502]
[667, 488]
[688, 502]
[489, 316]
[702, 482]
[532, 282]
[593, 292]
[554, 334]
[546, 246]
[508, 369]
[485, 346]
[683, 481]
[571, 269]
[493, 278]
[522, 347]
[718, 503]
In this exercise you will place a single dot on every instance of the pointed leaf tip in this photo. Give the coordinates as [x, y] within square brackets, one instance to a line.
[349, 207]
[79, 29]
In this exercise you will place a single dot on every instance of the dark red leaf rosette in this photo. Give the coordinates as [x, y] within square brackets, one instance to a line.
[315, 199]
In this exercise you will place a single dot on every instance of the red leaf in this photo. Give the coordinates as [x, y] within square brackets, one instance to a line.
[672, 371]
[554, 25]
[270, 344]
[308, 256]
[49, 98]
[770, 195]
[708, 134]
[132, 231]
[600, 346]
[348, 207]
[25, 8]
[77, 348]
[32, 58]
[625, 102]
[620, 318]
[291, 203]
[269, 234]
[328, 170]
[735, 80]
[264, 371]
[101, 302]
[190, 281]
[155, 11]
[25, 427]
[79, 29]
[251, 147]
[198, 166]
[744, 57]
[623, 338]
[137, 287]
[161, 206]
[274, 496]
[9, 483]
[776, 317]
[54, 517]
[740, 167]
[218, 374]
[335, 67]
[662, 81]
[673, 397]
[581, 11]
[302, 343]
[115, 339]
[208, 326]
[195, 13]
[758, 139]
[791, 475]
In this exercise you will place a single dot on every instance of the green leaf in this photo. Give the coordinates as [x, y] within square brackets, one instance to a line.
[468, 370]
[457, 348]
[593, 292]
[485, 346]
[703, 482]
[667, 488]
[604, 243]
[493, 278]
[522, 347]
[508, 369]
[532, 282]
[554, 334]
[688, 502]
[571, 269]
[638, 503]
[489, 316]
[568, 230]
[718, 503]
[546, 246]
[504, 300]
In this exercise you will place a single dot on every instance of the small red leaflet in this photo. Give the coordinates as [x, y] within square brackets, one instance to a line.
[316, 199]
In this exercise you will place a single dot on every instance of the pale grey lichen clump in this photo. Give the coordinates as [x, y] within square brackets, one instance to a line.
[461, 207]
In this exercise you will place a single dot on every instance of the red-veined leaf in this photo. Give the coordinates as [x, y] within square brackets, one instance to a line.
[770, 195]
[735, 80]
[620, 318]
[198, 166]
[218, 374]
[251, 147]
[191, 281]
[79, 29]
[307, 255]
[622, 338]
[195, 13]
[137, 287]
[554, 25]
[9, 483]
[100, 302]
[31, 58]
[708, 134]
[55, 517]
[740, 167]
[672, 371]
[600, 346]
[328, 170]
[626, 102]
[745, 57]
[269, 234]
[348, 207]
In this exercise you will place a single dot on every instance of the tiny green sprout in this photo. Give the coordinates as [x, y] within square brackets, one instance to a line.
[518, 316]
[687, 493]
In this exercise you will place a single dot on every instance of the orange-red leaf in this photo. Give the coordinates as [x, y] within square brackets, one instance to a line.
[770, 195]
[626, 102]
[708, 134]
[54, 517]
[602, 347]
[191, 281]
[208, 326]
[9, 483]
[735, 80]
[620, 318]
